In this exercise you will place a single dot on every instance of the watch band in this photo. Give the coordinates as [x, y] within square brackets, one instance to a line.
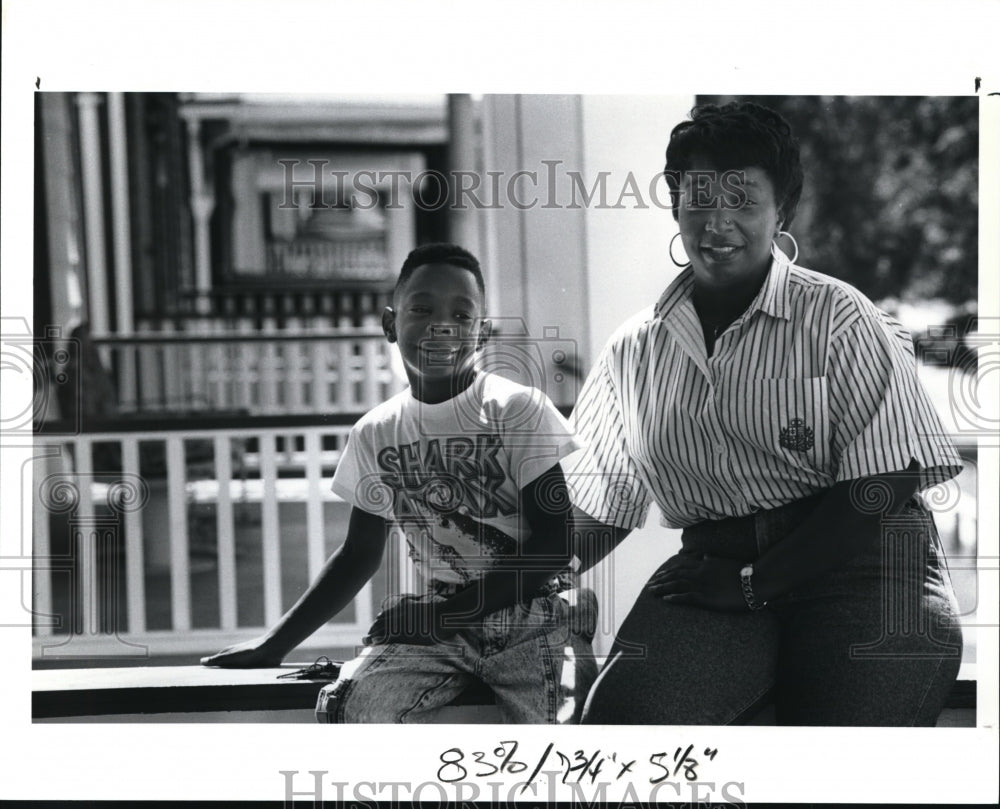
[746, 572]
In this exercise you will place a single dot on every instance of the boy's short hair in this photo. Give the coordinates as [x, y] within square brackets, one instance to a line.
[440, 253]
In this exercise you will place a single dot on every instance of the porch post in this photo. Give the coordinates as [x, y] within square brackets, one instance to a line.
[202, 204]
[121, 228]
[93, 201]
[462, 224]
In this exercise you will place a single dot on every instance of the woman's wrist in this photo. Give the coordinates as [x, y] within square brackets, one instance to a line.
[749, 591]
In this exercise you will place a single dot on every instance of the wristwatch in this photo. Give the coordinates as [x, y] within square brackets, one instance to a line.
[745, 573]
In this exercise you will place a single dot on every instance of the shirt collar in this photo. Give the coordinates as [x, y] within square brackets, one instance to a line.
[773, 296]
[772, 299]
[677, 291]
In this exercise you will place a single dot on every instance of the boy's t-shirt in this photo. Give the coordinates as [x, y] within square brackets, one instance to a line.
[447, 476]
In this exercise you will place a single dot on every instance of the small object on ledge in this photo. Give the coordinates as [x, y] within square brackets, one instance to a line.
[322, 669]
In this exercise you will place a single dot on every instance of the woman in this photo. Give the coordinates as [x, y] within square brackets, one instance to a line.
[774, 414]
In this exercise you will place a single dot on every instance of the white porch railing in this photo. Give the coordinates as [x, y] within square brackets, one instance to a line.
[121, 519]
[358, 259]
[260, 371]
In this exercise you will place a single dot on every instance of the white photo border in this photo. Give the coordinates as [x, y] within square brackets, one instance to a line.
[870, 48]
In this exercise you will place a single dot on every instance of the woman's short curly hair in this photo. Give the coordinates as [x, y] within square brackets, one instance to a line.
[738, 135]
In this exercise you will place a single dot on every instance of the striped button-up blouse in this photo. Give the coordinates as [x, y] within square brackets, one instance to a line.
[812, 385]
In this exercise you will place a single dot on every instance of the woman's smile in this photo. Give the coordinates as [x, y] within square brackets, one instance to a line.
[720, 253]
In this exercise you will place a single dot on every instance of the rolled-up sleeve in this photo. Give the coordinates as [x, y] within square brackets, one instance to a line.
[603, 480]
[882, 416]
[357, 479]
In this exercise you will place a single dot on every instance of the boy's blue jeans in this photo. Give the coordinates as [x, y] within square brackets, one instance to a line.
[876, 642]
[536, 657]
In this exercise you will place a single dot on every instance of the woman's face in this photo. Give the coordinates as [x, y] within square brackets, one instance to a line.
[727, 221]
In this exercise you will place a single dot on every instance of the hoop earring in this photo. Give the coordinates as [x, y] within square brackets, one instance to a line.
[775, 248]
[670, 250]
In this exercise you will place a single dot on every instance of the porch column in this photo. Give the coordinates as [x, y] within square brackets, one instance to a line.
[202, 204]
[63, 215]
[93, 202]
[121, 228]
[462, 224]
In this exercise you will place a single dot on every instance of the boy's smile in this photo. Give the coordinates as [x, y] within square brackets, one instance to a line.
[437, 322]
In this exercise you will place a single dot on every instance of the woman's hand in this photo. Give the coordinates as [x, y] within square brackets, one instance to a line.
[408, 621]
[700, 580]
[251, 654]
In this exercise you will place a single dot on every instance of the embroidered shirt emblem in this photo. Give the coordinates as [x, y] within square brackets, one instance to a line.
[797, 436]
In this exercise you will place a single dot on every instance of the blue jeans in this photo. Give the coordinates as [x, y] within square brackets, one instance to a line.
[875, 642]
[536, 657]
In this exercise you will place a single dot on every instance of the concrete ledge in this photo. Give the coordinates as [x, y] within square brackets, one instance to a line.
[167, 689]
[201, 694]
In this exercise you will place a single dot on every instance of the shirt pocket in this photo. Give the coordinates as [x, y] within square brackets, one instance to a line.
[787, 418]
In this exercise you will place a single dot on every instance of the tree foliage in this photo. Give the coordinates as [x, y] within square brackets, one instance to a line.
[890, 202]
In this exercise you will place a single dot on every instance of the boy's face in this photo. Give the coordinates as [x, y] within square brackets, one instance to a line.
[437, 321]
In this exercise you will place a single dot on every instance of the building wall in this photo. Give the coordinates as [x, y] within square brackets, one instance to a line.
[582, 246]
[627, 268]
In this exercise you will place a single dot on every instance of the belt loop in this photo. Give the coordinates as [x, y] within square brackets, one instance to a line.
[760, 533]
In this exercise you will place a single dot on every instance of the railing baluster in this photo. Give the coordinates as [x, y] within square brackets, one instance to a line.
[218, 394]
[269, 368]
[243, 371]
[180, 569]
[228, 363]
[315, 549]
[345, 362]
[174, 393]
[270, 537]
[319, 373]
[327, 307]
[226, 541]
[370, 367]
[86, 549]
[127, 374]
[293, 370]
[135, 578]
[41, 546]
[196, 373]
[149, 365]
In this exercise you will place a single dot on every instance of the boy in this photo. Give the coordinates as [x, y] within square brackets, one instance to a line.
[476, 489]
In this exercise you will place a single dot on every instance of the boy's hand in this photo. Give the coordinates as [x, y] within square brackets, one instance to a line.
[409, 621]
[251, 654]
